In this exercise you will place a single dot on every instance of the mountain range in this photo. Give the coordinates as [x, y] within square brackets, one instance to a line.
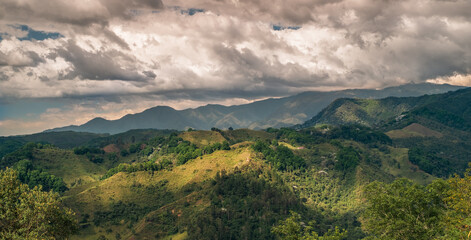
[281, 112]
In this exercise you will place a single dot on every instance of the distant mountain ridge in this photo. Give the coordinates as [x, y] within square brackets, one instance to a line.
[277, 113]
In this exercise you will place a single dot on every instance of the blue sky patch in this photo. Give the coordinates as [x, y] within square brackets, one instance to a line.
[281, 28]
[27, 109]
[189, 11]
[38, 35]
[192, 11]
[33, 34]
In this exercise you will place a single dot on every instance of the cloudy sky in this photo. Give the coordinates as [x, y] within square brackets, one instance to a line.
[65, 62]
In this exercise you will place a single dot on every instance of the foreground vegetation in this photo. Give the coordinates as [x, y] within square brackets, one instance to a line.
[27, 213]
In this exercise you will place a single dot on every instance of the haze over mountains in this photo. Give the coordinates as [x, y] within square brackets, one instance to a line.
[280, 112]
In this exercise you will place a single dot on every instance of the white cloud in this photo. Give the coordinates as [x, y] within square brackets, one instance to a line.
[456, 79]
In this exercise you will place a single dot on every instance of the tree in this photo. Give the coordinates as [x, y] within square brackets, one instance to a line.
[32, 176]
[293, 229]
[459, 202]
[225, 146]
[348, 159]
[124, 152]
[31, 213]
[405, 210]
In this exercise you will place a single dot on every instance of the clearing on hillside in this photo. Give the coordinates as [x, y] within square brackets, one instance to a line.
[414, 130]
[203, 138]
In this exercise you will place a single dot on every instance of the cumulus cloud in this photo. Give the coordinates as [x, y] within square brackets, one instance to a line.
[18, 58]
[99, 65]
[457, 79]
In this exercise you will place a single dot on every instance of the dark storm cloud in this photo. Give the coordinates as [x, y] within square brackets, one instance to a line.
[79, 13]
[3, 76]
[434, 59]
[102, 65]
[295, 12]
[150, 74]
[92, 17]
[256, 72]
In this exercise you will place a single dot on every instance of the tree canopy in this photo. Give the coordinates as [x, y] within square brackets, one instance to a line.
[31, 213]
[293, 228]
[405, 210]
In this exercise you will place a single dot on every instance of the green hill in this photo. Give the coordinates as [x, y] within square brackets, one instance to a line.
[368, 112]
[435, 127]
[451, 109]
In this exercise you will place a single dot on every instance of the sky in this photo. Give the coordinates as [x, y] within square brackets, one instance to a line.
[65, 62]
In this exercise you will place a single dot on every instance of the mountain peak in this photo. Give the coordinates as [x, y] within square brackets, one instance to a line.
[160, 107]
[98, 119]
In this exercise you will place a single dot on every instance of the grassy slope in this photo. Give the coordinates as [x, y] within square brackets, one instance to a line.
[203, 138]
[125, 187]
[398, 165]
[74, 169]
[323, 187]
[414, 130]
